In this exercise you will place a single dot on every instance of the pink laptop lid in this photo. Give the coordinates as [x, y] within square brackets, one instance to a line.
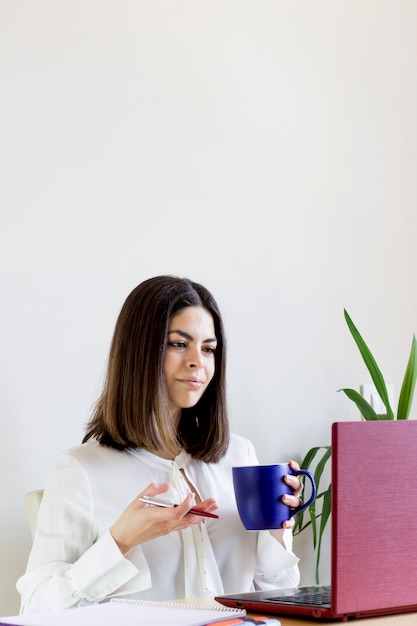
[374, 516]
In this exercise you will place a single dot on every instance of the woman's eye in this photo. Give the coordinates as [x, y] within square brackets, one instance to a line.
[177, 344]
[209, 350]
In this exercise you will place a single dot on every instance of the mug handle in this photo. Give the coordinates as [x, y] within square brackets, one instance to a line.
[313, 491]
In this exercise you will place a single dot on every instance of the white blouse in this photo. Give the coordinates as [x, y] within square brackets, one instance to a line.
[75, 561]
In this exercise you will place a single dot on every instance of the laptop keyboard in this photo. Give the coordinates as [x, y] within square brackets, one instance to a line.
[315, 597]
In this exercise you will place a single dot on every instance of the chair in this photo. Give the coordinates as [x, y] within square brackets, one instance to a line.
[32, 502]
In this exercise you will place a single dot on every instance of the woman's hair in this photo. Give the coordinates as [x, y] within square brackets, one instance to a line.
[132, 411]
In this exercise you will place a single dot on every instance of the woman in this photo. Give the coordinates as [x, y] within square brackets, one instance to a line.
[159, 427]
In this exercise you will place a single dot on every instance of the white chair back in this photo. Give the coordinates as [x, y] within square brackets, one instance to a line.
[32, 502]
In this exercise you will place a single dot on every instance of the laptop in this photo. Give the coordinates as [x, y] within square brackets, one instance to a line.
[373, 530]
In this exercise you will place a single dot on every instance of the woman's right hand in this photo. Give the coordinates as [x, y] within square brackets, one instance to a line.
[142, 522]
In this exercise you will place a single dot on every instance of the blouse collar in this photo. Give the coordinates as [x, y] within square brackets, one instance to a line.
[181, 460]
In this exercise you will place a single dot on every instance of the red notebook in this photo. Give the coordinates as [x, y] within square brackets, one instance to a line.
[374, 529]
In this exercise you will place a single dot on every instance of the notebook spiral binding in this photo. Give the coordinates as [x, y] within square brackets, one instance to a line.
[176, 604]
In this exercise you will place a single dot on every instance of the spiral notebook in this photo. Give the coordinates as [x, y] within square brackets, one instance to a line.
[128, 612]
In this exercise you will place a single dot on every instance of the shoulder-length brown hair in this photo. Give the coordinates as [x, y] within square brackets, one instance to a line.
[132, 411]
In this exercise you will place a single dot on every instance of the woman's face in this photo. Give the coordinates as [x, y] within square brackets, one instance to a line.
[190, 357]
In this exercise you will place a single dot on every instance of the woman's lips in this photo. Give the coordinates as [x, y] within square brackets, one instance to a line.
[193, 383]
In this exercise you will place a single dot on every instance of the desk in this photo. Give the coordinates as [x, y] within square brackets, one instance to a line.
[405, 619]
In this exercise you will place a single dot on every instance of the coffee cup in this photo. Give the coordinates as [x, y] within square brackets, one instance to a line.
[259, 490]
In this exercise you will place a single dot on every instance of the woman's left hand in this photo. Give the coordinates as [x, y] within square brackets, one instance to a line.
[293, 500]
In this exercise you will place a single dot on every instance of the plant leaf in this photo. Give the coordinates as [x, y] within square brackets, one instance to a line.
[309, 457]
[317, 520]
[407, 390]
[318, 512]
[364, 407]
[298, 531]
[370, 363]
[325, 514]
[321, 464]
[305, 464]
[313, 518]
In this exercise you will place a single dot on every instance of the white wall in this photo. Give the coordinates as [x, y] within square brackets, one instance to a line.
[266, 149]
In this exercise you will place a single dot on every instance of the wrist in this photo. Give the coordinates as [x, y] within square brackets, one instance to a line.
[123, 546]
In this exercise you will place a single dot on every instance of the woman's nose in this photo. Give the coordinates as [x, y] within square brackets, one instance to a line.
[195, 360]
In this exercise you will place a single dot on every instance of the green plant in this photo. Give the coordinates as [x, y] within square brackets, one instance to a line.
[320, 509]
[407, 388]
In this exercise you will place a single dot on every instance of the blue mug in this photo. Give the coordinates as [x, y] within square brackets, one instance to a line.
[259, 490]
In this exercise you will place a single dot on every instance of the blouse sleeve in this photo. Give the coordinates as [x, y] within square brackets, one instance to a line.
[276, 567]
[70, 564]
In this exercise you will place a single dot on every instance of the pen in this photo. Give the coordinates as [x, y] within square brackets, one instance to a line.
[165, 503]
